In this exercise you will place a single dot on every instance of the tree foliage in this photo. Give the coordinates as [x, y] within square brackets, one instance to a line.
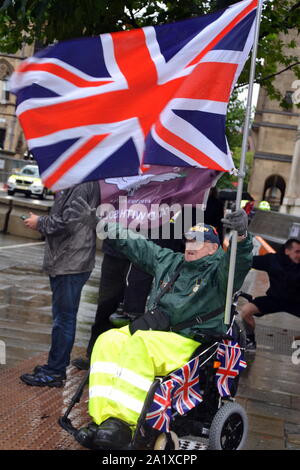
[229, 181]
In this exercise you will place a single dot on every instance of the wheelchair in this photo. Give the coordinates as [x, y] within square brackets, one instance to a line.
[216, 423]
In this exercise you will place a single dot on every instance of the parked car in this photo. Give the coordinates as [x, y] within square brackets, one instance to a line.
[28, 182]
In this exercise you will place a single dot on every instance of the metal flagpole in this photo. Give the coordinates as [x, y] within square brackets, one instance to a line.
[241, 173]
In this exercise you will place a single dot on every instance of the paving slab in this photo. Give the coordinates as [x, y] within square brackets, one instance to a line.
[257, 441]
[33, 412]
[270, 411]
[269, 387]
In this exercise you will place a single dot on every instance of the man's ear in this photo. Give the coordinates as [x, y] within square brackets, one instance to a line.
[213, 247]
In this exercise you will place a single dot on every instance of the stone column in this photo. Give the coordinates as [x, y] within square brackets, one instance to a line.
[291, 201]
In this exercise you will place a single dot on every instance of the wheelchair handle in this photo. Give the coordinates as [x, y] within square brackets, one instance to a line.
[246, 296]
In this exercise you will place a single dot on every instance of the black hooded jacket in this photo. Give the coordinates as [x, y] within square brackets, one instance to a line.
[284, 276]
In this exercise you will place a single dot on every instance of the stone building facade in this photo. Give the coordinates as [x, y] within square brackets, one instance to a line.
[275, 134]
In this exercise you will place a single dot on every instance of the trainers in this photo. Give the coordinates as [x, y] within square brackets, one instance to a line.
[81, 364]
[38, 368]
[250, 345]
[42, 379]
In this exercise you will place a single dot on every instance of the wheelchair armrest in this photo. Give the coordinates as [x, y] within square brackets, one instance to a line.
[242, 294]
[212, 337]
[220, 338]
[246, 296]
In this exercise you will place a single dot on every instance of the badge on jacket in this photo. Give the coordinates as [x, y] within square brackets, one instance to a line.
[196, 286]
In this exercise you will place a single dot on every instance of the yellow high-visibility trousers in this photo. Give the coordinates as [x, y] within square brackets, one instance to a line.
[123, 367]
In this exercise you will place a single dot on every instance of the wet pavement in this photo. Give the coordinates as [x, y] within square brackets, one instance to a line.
[269, 387]
[25, 300]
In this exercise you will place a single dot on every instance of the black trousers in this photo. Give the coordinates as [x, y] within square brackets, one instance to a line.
[113, 289]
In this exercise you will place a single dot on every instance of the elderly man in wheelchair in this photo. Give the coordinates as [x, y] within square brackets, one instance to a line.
[185, 309]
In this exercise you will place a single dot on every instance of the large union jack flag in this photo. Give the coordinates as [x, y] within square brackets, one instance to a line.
[186, 393]
[230, 355]
[105, 106]
[160, 413]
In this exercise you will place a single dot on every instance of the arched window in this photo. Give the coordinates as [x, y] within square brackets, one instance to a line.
[274, 190]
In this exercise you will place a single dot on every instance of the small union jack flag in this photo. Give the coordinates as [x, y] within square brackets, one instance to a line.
[160, 413]
[180, 393]
[230, 355]
[186, 394]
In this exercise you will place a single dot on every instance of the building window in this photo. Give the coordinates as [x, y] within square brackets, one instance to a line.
[274, 191]
[5, 72]
[2, 138]
[4, 91]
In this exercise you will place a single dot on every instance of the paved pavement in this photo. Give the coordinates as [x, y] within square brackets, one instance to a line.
[25, 300]
[269, 388]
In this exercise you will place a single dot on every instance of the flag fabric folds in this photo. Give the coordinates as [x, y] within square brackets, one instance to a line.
[179, 393]
[160, 413]
[107, 106]
[186, 393]
[141, 198]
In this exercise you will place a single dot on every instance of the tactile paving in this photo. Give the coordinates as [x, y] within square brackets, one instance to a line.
[274, 339]
[29, 415]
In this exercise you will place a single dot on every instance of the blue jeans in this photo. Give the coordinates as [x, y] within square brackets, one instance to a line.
[66, 292]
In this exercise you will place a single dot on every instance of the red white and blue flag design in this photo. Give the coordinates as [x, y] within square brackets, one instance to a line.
[186, 393]
[104, 107]
[180, 393]
[230, 355]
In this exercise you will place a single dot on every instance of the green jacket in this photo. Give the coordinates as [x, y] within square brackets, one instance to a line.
[201, 286]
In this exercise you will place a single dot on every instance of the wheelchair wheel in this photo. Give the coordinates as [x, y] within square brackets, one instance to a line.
[229, 428]
[162, 442]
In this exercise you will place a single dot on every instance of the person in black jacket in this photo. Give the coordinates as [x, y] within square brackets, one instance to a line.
[214, 212]
[283, 294]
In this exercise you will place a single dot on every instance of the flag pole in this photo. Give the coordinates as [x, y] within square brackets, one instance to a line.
[241, 173]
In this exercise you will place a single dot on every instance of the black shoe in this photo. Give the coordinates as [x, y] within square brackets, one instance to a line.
[112, 434]
[42, 379]
[85, 436]
[81, 364]
[39, 368]
[119, 320]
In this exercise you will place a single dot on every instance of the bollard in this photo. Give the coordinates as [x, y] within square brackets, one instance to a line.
[16, 225]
